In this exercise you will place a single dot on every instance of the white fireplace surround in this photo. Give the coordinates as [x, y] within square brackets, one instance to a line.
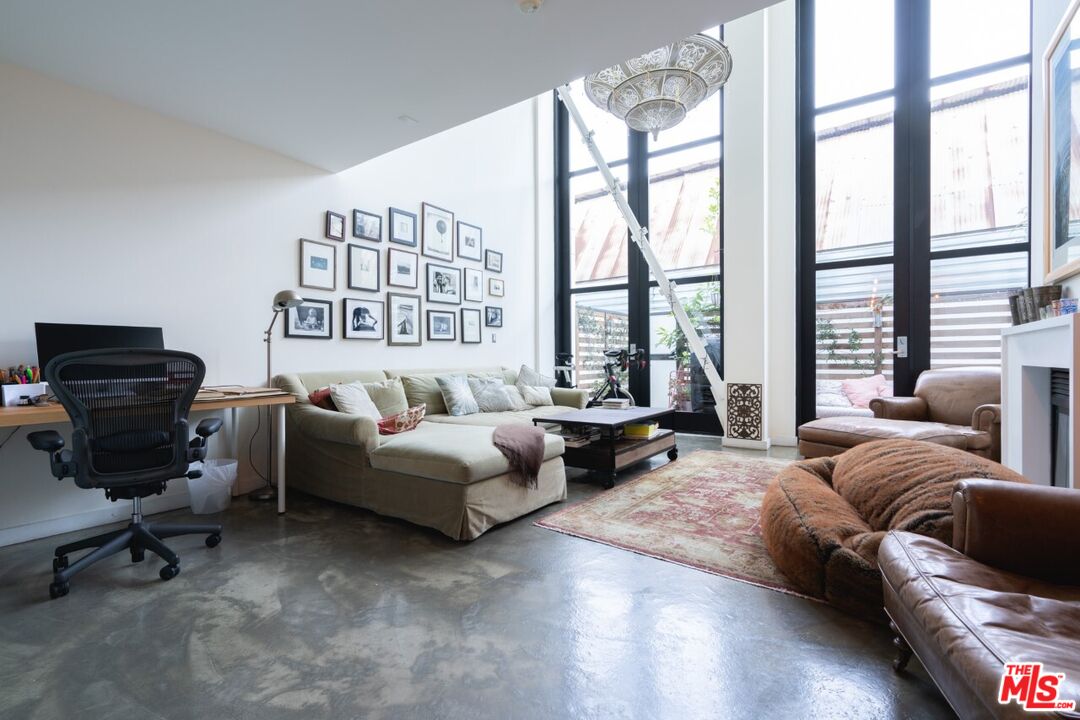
[1028, 352]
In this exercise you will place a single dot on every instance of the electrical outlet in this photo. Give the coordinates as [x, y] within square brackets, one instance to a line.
[493, 336]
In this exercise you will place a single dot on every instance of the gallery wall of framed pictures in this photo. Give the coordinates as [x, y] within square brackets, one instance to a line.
[431, 247]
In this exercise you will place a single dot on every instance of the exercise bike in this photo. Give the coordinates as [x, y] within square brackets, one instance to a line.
[617, 361]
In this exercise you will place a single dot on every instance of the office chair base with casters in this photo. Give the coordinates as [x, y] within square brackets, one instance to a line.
[137, 537]
[130, 437]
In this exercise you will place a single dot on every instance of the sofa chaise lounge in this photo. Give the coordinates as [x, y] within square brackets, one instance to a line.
[446, 474]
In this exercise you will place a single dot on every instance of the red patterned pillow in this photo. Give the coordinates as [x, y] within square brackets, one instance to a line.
[402, 422]
[321, 398]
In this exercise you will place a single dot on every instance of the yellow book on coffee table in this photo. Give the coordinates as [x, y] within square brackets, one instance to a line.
[643, 431]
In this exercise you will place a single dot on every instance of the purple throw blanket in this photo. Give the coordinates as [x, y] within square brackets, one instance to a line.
[523, 446]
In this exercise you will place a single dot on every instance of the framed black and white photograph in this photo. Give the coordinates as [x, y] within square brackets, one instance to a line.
[496, 287]
[366, 226]
[403, 318]
[402, 268]
[493, 316]
[363, 268]
[441, 325]
[402, 227]
[469, 241]
[493, 261]
[437, 232]
[335, 226]
[318, 265]
[363, 319]
[312, 319]
[474, 285]
[470, 325]
[443, 284]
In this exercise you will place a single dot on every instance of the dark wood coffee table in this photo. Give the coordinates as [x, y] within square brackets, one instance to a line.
[609, 455]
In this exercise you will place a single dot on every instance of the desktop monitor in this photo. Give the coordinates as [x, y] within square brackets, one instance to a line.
[58, 338]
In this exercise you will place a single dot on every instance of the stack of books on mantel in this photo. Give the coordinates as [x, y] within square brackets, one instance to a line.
[579, 437]
[616, 404]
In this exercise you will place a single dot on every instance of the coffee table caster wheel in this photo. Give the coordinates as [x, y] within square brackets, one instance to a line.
[609, 481]
[673, 454]
[58, 589]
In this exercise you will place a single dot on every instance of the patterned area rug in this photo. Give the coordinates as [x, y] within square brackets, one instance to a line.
[700, 511]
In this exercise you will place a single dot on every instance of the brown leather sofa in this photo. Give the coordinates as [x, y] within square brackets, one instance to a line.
[957, 407]
[1008, 590]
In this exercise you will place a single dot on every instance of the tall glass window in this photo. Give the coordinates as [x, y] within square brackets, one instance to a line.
[919, 132]
[607, 298]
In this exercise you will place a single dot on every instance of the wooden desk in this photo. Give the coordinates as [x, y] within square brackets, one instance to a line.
[55, 413]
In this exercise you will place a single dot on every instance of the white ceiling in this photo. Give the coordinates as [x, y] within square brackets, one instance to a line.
[324, 81]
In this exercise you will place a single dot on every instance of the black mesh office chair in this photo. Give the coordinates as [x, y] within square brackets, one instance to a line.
[129, 409]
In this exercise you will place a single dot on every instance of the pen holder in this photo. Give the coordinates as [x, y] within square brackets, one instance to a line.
[23, 394]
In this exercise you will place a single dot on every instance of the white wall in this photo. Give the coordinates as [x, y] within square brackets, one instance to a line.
[122, 216]
[759, 215]
[1046, 15]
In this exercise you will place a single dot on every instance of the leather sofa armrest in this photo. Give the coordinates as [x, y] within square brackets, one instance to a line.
[330, 425]
[899, 408]
[1025, 529]
[986, 417]
[570, 397]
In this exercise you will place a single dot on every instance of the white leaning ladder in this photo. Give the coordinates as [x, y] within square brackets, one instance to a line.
[639, 235]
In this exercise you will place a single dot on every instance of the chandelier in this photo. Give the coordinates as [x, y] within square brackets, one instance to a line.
[654, 91]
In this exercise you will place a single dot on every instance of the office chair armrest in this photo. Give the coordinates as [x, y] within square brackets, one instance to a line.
[60, 460]
[207, 427]
[197, 446]
[47, 440]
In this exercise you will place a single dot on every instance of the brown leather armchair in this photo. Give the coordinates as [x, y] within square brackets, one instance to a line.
[958, 407]
[1009, 590]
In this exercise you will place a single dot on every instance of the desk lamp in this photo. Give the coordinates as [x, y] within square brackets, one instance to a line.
[282, 301]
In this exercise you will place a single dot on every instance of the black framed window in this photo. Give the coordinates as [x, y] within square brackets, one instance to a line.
[605, 295]
[913, 185]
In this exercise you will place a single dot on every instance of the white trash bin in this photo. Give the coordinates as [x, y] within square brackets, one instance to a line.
[212, 492]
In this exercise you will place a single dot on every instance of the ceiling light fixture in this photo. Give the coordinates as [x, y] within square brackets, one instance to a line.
[407, 120]
[655, 91]
[529, 6]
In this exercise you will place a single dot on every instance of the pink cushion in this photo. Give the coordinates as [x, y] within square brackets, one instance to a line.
[321, 398]
[860, 392]
[404, 421]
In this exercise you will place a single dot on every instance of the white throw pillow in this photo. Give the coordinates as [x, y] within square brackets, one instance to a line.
[353, 399]
[457, 395]
[535, 396]
[517, 400]
[491, 394]
[528, 376]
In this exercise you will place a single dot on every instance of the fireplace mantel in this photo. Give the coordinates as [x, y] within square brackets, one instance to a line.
[1028, 352]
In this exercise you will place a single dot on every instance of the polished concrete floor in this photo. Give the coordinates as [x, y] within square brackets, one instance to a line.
[334, 612]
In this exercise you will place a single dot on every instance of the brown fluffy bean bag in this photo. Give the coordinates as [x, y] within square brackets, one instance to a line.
[823, 519]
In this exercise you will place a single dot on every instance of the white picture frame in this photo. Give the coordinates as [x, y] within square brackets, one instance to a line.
[474, 285]
[471, 330]
[443, 284]
[318, 265]
[363, 319]
[437, 232]
[363, 268]
[403, 319]
[496, 287]
[402, 268]
[470, 241]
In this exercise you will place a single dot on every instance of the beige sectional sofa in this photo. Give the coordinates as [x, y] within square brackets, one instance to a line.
[446, 474]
